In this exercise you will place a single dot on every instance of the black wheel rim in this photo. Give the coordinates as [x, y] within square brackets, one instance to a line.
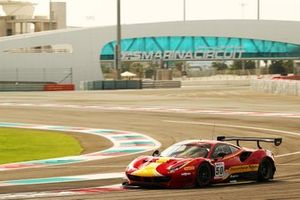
[265, 169]
[204, 175]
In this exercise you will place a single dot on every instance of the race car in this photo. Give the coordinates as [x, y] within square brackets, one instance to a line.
[201, 163]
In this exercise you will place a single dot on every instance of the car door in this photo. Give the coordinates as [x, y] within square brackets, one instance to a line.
[224, 157]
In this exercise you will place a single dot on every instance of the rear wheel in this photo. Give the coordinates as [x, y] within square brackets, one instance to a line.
[203, 175]
[265, 170]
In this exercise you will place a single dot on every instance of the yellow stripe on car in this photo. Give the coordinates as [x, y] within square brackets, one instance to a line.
[243, 168]
[148, 171]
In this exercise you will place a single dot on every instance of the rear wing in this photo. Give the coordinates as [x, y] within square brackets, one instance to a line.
[276, 141]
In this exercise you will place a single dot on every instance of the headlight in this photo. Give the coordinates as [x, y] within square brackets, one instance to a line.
[131, 166]
[136, 163]
[176, 167]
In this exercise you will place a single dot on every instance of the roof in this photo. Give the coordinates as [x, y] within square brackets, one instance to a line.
[211, 142]
[274, 30]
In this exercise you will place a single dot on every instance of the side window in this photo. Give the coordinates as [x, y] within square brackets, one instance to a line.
[233, 149]
[221, 148]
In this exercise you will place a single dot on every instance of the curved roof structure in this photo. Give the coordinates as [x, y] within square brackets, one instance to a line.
[199, 48]
[86, 44]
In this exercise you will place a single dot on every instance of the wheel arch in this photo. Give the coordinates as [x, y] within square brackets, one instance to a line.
[271, 160]
[264, 174]
[211, 167]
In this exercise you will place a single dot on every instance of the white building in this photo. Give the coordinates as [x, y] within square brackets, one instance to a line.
[83, 49]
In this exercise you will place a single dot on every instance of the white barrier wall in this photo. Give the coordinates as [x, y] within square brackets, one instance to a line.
[283, 87]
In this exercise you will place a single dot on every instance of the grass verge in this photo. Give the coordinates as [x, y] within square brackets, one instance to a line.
[18, 145]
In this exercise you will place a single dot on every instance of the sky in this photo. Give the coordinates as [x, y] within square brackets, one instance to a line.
[103, 12]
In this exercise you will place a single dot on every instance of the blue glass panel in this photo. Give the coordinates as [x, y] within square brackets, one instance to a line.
[252, 48]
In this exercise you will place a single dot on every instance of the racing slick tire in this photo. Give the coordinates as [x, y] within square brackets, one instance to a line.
[265, 170]
[204, 175]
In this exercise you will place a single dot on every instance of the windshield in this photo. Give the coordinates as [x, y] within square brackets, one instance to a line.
[187, 151]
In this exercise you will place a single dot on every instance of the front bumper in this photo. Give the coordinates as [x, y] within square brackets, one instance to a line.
[160, 181]
[157, 179]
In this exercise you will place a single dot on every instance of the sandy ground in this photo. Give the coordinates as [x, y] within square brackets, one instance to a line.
[166, 128]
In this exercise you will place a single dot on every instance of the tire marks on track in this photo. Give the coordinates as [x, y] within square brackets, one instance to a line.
[156, 109]
[54, 194]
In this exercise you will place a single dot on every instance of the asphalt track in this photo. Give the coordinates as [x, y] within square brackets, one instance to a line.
[229, 111]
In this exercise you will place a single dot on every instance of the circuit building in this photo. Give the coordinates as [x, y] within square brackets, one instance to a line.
[82, 50]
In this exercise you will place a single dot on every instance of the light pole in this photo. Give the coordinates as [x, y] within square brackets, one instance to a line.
[243, 6]
[258, 18]
[184, 10]
[50, 15]
[118, 44]
[258, 9]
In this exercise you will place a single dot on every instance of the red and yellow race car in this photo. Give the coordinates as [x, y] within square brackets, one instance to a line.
[203, 162]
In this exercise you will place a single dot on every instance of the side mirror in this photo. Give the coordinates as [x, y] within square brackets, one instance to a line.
[221, 154]
[156, 153]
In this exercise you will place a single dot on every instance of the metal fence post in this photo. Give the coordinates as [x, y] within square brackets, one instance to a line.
[71, 71]
[17, 74]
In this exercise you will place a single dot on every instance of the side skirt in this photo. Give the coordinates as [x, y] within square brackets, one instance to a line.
[244, 176]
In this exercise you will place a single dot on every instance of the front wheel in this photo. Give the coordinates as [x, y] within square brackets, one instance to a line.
[265, 170]
[203, 175]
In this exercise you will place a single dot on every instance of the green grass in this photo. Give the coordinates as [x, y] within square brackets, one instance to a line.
[18, 145]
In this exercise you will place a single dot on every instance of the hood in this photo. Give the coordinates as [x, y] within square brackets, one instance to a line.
[158, 166]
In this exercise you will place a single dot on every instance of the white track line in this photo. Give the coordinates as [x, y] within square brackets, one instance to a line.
[288, 154]
[242, 127]
[54, 194]
[233, 126]
[156, 109]
[290, 164]
[63, 179]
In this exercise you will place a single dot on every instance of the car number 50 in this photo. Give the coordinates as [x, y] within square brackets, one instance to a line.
[219, 169]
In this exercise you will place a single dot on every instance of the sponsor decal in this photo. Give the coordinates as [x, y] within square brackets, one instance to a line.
[189, 168]
[186, 174]
[201, 53]
[243, 168]
[219, 169]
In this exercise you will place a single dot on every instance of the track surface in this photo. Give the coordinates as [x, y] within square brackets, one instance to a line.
[166, 127]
